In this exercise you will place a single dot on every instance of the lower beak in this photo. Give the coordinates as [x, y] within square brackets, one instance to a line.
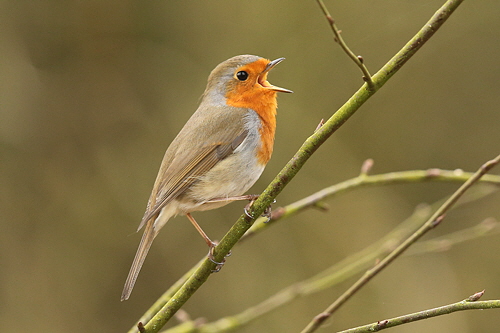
[263, 77]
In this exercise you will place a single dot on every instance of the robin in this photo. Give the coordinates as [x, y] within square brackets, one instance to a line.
[219, 153]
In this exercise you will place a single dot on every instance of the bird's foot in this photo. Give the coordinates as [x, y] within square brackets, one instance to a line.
[267, 212]
[211, 257]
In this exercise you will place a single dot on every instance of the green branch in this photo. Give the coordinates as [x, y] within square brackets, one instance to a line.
[315, 200]
[470, 303]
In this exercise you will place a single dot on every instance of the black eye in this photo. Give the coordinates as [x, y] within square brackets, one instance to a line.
[242, 75]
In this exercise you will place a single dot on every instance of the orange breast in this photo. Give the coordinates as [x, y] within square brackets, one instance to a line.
[262, 101]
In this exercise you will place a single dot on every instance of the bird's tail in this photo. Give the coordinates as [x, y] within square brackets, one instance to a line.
[149, 235]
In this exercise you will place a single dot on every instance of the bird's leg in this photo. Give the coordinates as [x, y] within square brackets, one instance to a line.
[251, 197]
[211, 244]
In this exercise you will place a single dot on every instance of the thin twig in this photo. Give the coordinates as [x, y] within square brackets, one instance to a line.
[431, 223]
[358, 60]
[470, 303]
[365, 180]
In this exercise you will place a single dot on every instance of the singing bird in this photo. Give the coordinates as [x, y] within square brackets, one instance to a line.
[219, 153]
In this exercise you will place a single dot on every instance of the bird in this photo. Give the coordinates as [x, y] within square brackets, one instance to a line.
[219, 153]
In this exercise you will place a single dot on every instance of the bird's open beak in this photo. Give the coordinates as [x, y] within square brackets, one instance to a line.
[263, 77]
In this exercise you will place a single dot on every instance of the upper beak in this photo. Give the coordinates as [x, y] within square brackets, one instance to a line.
[263, 77]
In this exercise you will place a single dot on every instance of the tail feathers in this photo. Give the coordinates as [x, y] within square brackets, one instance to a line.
[146, 242]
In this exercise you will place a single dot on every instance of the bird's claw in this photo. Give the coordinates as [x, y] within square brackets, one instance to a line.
[246, 211]
[267, 212]
[211, 257]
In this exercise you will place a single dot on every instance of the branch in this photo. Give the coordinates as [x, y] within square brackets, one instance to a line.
[431, 223]
[470, 303]
[315, 200]
[358, 60]
[293, 166]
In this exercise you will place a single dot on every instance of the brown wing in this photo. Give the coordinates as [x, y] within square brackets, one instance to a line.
[203, 161]
[182, 168]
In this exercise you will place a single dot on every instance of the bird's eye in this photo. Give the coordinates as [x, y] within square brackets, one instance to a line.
[242, 75]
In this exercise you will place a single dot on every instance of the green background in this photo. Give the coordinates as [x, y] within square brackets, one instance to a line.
[92, 93]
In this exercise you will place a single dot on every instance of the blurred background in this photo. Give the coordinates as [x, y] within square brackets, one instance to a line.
[92, 93]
